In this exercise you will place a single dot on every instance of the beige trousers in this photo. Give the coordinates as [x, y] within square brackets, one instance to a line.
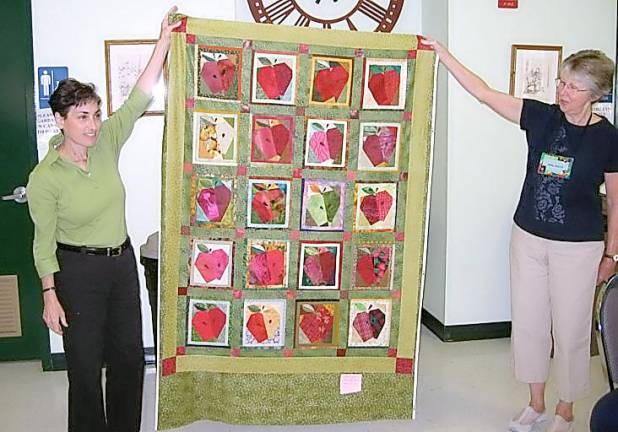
[552, 291]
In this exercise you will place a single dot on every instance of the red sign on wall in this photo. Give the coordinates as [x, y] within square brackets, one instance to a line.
[507, 4]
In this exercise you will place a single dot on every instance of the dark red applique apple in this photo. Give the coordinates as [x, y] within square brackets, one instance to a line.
[380, 145]
[316, 323]
[334, 137]
[384, 87]
[208, 322]
[267, 268]
[218, 75]
[274, 79]
[375, 206]
[330, 81]
[373, 265]
[369, 325]
[272, 142]
[215, 200]
[211, 264]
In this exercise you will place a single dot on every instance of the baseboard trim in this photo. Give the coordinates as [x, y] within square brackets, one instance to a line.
[459, 333]
[58, 362]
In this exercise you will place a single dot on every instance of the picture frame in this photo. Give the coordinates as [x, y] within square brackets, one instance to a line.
[125, 59]
[534, 69]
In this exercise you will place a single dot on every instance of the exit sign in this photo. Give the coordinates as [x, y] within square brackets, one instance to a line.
[507, 4]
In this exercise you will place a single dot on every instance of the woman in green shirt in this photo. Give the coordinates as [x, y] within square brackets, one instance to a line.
[82, 252]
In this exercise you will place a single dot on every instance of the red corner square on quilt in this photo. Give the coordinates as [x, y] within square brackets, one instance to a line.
[187, 167]
[291, 294]
[351, 175]
[347, 236]
[294, 235]
[237, 294]
[400, 236]
[288, 352]
[185, 230]
[168, 366]
[181, 350]
[396, 294]
[403, 366]
[241, 170]
[359, 52]
[392, 352]
[343, 295]
[240, 232]
[341, 352]
[303, 48]
[189, 103]
[403, 177]
[297, 173]
[182, 291]
[407, 116]
[247, 44]
[235, 352]
[190, 38]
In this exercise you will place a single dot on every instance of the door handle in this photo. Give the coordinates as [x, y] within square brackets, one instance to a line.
[19, 195]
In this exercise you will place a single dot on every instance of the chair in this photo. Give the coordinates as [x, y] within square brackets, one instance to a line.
[607, 326]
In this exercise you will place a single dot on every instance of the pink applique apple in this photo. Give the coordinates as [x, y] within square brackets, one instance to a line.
[267, 268]
[274, 79]
[320, 267]
[214, 201]
[379, 147]
[330, 82]
[369, 325]
[211, 264]
[273, 143]
[384, 87]
[218, 75]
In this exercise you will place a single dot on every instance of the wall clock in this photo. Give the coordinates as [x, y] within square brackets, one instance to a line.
[368, 15]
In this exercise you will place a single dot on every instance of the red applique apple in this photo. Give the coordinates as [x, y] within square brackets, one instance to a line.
[263, 322]
[274, 79]
[384, 86]
[316, 322]
[330, 80]
[208, 322]
[215, 200]
[380, 145]
[218, 75]
[267, 203]
[376, 205]
[211, 264]
[373, 265]
[267, 268]
[272, 142]
[369, 324]
[334, 138]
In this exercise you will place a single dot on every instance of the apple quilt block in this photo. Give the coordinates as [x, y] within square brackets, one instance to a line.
[296, 166]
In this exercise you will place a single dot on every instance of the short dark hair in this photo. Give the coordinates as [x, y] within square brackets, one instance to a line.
[71, 92]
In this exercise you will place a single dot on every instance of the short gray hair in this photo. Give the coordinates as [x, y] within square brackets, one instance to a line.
[593, 66]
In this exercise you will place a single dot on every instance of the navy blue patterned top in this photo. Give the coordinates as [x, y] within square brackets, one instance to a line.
[565, 209]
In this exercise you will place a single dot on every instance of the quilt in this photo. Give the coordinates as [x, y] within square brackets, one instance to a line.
[296, 173]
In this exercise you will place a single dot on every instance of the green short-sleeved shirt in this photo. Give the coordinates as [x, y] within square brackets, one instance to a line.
[82, 207]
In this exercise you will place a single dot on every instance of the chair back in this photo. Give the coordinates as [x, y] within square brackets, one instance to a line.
[607, 325]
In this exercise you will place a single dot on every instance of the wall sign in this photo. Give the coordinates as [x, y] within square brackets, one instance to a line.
[508, 4]
[367, 15]
[48, 78]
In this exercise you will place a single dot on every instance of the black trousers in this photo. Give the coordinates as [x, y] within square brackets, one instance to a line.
[100, 296]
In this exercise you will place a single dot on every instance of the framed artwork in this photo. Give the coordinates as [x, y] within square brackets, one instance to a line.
[267, 263]
[323, 205]
[263, 323]
[211, 263]
[378, 148]
[326, 143]
[208, 322]
[385, 83]
[370, 323]
[215, 137]
[124, 62]
[534, 69]
[319, 265]
[316, 324]
[268, 203]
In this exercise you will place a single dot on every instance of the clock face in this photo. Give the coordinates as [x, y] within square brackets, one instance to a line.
[372, 15]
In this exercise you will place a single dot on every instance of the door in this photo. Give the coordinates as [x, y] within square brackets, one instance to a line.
[17, 158]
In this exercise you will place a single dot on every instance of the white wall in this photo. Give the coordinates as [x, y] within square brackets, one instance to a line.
[486, 154]
[72, 33]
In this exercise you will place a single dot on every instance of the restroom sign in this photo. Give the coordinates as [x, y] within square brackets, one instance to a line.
[48, 79]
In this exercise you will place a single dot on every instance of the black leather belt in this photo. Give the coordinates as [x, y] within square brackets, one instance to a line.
[107, 251]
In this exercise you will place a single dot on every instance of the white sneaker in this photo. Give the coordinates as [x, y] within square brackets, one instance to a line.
[525, 421]
[560, 425]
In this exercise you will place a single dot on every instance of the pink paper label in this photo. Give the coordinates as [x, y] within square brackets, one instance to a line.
[350, 383]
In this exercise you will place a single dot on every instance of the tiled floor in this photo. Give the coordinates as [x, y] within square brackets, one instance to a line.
[465, 386]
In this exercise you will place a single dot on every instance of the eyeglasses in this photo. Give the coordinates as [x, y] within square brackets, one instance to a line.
[570, 87]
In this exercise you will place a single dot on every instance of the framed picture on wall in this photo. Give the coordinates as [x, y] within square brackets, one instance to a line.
[534, 69]
[124, 62]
